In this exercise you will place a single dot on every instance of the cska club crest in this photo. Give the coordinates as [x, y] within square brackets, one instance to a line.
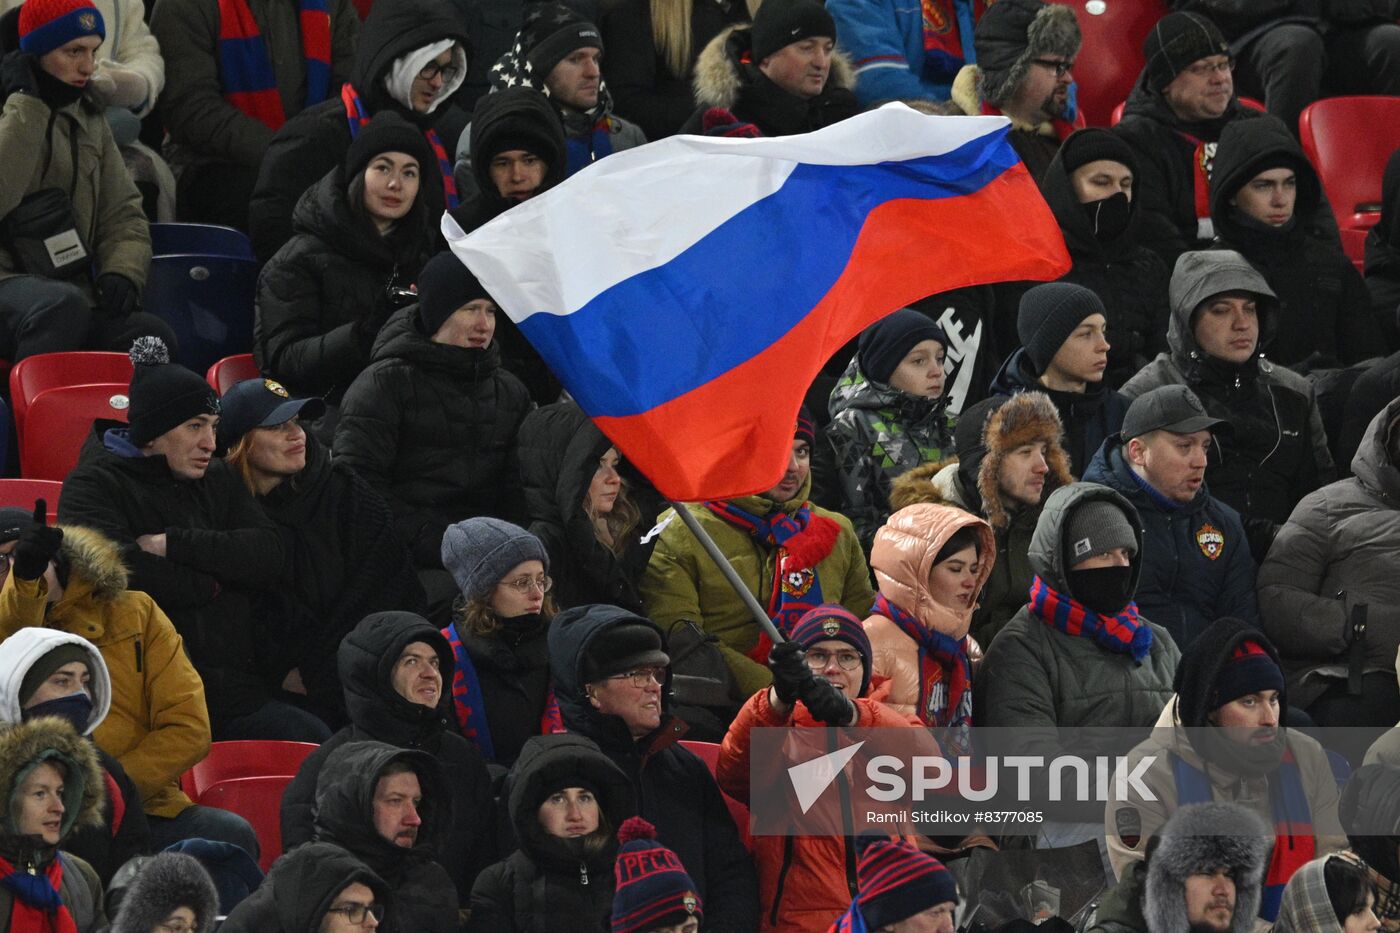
[1210, 540]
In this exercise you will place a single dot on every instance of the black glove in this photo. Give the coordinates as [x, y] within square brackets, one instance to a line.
[17, 74]
[38, 544]
[789, 671]
[117, 295]
[825, 701]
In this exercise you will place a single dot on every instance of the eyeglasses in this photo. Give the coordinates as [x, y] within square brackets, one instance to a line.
[1060, 68]
[643, 676]
[356, 913]
[176, 926]
[1206, 69]
[524, 585]
[431, 70]
[817, 659]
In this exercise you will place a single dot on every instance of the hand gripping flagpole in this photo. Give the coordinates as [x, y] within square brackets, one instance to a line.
[730, 574]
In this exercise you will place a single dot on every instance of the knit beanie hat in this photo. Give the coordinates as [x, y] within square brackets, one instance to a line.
[479, 552]
[1097, 527]
[1049, 314]
[1176, 42]
[1012, 33]
[163, 394]
[444, 285]
[653, 889]
[831, 621]
[897, 881]
[623, 647]
[780, 23]
[1249, 669]
[45, 25]
[806, 429]
[13, 521]
[551, 32]
[386, 132]
[42, 669]
[883, 345]
[1093, 144]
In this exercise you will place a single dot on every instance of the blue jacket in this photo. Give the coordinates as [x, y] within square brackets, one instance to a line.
[1183, 587]
[885, 38]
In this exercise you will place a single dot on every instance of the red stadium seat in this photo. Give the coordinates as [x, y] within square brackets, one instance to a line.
[1349, 140]
[21, 493]
[34, 374]
[1354, 245]
[60, 420]
[708, 752]
[259, 801]
[229, 761]
[232, 370]
[1112, 51]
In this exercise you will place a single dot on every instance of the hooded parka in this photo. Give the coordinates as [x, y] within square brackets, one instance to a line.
[431, 427]
[379, 713]
[301, 886]
[551, 884]
[323, 297]
[1275, 451]
[673, 788]
[316, 140]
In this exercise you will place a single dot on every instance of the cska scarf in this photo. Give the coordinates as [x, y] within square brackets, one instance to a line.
[945, 675]
[1124, 633]
[38, 908]
[245, 67]
[357, 116]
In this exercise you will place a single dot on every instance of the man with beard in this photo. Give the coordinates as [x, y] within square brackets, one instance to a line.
[1221, 739]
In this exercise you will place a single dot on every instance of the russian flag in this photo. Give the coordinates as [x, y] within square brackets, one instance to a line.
[687, 292]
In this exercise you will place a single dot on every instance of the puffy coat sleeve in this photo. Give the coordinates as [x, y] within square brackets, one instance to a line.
[122, 236]
[301, 153]
[493, 901]
[1013, 687]
[136, 48]
[869, 31]
[1301, 619]
[22, 604]
[1237, 595]
[23, 122]
[246, 551]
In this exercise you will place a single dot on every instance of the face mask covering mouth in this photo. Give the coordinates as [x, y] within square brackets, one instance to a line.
[1105, 590]
[1108, 218]
[75, 709]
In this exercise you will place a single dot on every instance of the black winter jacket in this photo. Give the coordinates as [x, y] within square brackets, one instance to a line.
[379, 713]
[315, 141]
[1324, 307]
[559, 449]
[512, 667]
[1089, 417]
[323, 298]
[432, 428]
[220, 551]
[111, 845]
[344, 561]
[1383, 256]
[551, 884]
[424, 901]
[1129, 278]
[300, 887]
[674, 789]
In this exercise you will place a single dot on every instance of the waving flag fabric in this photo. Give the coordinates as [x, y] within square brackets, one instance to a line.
[687, 292]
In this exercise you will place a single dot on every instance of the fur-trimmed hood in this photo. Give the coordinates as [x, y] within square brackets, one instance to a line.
[1197, 838]
[928, 482]
[25, 744]
[966, 94]
[168, 881]
[721, 73]
[24, 648]
[1025, 418]
[94, 564]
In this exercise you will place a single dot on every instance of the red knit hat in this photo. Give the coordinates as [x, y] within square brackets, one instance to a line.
[45, 25]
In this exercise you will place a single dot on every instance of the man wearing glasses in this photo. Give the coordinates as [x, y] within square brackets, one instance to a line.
[317, 887]
[411, 58]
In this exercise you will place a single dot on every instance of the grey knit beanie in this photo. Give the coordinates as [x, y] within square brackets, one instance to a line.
[1095, 528]
[478, 552]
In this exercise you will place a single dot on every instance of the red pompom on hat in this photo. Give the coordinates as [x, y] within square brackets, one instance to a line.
[45, 25]
[653, 888]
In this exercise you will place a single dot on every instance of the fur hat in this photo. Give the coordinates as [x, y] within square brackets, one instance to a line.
[1198, 838]
[1025, 418]
[1012, 33]
[165, 882]
[24, 746]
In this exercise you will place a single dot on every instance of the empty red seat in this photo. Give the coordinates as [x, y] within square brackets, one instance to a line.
[21, 494]
[230, 371]
[1112, 52]
[59, 421]
[1349, 140]
[259, 801]
[228, 761]
[34, 374]
[708, 752]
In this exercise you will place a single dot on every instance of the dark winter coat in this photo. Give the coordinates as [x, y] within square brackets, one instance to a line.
[1129, 278]
[558, 452]
[1089, 417]
[379, 713]
[1323, 305]
[220, 551]
[316, 140]
[724, 79]
[300, 887]
[551, 884]
[423, 897]
[324, 296]
[512, 668]
[432, 428]
[1276, 450]
[1196, 563]
[643, 86]
[344, 561]
[1382, 264]
[674, 789]
[1337, 551]
[1371, 392]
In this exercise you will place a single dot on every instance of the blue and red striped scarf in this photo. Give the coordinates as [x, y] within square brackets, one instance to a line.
[38, 908]
[469, 704]
[357, 116]
[945, 676]
[802, 540]
[1294, 842]
[583, 151]
[1124, 633]
[851, 921]
[245, 68]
